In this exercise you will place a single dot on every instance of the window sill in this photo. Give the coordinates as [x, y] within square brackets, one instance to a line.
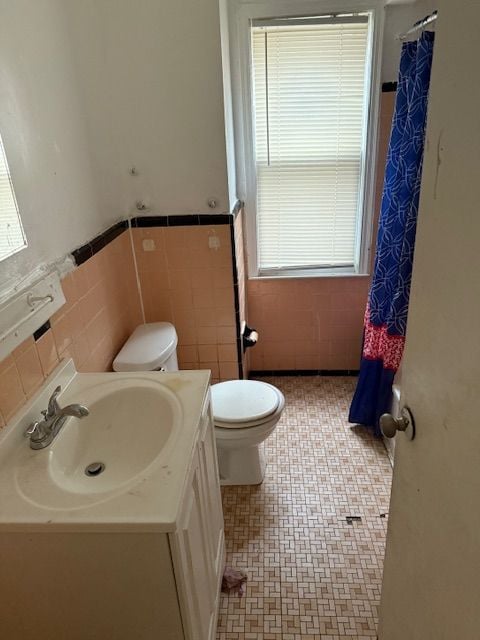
[313, 273]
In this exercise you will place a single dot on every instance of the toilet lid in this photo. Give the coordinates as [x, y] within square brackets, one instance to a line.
[239, 401]
[147, 349]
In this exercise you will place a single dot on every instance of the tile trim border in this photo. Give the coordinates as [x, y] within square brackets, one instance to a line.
[389, 87]
[187, 220]
[41, 330]
[88, 250]
[236, 300]
[304, 372]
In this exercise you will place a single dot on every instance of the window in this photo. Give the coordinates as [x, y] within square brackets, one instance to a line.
[309, 87]
[305, 88]
[12, 238]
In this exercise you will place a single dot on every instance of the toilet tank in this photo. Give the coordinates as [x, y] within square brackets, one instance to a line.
[151, 347]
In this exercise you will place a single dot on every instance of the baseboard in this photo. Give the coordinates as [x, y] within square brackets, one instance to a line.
[303, 372]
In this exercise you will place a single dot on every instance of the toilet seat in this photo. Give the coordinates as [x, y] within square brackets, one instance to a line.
[241, 404]
[235, 426]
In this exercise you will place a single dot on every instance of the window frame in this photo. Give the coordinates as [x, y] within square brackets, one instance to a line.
[237, 18]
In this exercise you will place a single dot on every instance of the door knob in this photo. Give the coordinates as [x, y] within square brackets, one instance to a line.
[390, 425]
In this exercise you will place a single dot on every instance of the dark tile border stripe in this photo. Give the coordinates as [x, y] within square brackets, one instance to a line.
[236, 298]
[183, 220]
[82, 254]
[88, 250]
[41, 330]
[389, 87]
[150, 221]
[304, 372]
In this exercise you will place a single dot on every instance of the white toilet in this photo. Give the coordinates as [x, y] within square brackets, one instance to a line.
[245, 412]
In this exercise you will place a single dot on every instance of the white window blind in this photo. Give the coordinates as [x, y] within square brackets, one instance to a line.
[310, 87]
[11, 231]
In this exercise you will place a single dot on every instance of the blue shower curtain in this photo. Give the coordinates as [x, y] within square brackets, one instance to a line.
[387, 307]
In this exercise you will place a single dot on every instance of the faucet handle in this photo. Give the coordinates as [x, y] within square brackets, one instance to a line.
[33, 430]
[53, 406]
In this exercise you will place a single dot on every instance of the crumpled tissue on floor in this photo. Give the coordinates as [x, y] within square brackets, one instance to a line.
[233, 581]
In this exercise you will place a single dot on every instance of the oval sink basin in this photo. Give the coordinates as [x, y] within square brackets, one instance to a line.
[131, 426]
[125, 431]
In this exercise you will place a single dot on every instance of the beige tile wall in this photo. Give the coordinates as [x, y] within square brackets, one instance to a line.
[102, 308]
[314, 323]
[189, 283]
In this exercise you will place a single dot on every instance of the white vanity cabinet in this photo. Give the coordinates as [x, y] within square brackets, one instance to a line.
[150, 571]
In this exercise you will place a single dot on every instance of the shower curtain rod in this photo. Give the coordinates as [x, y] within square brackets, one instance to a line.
[421, 24]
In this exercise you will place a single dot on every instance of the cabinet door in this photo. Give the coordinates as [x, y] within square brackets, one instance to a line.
[192, 558]
[212, 498]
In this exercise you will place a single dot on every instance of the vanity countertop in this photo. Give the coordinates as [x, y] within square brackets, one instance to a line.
[46, 490]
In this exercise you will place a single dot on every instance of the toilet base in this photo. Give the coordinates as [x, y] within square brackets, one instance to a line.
[245, 465]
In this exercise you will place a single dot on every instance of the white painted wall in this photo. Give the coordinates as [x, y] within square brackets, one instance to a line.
[151, 74]
[43, 128]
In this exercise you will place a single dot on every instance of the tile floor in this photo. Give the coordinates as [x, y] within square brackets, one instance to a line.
[311, 574]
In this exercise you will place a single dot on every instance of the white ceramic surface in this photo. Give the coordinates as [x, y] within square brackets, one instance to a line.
[243, 401]
[148, 348]
[142, 426]
[131, 426]
[240, 454]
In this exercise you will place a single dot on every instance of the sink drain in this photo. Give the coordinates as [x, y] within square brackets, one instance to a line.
[94, 469]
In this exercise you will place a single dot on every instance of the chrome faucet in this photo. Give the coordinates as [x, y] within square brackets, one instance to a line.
[43, 432]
